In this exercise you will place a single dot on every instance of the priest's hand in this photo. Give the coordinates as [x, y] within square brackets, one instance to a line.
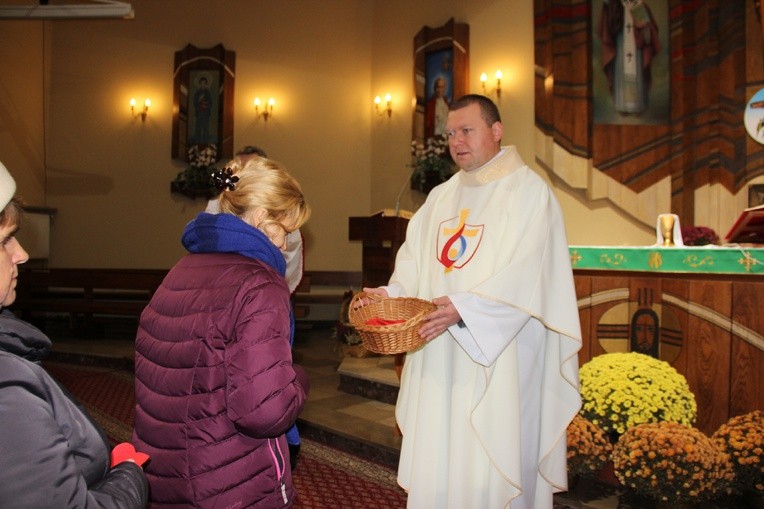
[377, 291]
[439, 320]
[381, 292]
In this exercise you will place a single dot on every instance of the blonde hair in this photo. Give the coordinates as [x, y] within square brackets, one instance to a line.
[264, 183]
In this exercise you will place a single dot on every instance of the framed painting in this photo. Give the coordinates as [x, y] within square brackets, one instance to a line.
[441, 74]
[630, 60]
[203, 84]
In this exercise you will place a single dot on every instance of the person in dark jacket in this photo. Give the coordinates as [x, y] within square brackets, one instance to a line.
[215, 386]
[52, 454]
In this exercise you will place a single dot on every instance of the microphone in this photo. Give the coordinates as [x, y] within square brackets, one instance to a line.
[400, 194]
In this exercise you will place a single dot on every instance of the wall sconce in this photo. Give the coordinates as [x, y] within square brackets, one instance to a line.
[143, 113]
[267, 111]
[388, 105]
[489, 92]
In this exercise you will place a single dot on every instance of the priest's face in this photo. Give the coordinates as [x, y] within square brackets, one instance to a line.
[471, 141]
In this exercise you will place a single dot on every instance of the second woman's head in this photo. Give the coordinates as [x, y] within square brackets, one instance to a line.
[265, 196]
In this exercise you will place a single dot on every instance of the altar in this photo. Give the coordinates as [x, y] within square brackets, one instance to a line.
[695, 307]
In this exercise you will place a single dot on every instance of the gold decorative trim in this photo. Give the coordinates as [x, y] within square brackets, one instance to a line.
[694, 262]
[615, 261]
[655, 260]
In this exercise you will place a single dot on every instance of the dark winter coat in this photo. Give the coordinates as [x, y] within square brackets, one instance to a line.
[215, 385]
[51, 453]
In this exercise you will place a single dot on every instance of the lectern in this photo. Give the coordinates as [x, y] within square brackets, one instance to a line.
[381, 236]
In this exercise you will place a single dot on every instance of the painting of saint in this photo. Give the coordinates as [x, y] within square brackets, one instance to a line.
[439, 90]
[203, 111]
[631, 78]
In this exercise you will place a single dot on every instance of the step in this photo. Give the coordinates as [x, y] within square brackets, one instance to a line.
[373, 377]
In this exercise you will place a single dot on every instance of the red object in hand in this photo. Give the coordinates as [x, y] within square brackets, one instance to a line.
[125, 451]
[381, 321]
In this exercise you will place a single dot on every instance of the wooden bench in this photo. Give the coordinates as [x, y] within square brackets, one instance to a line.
[84, 293]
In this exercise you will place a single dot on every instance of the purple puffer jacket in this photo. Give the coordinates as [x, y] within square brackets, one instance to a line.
[215, 387]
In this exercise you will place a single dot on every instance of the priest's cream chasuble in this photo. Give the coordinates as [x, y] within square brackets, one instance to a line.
[484, 407]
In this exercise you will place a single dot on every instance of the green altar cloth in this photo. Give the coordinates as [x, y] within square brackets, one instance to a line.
[686, 259]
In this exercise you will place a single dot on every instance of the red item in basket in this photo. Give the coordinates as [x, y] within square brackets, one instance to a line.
[381, 321]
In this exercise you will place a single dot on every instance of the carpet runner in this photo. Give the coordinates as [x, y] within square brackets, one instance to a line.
[325, 477]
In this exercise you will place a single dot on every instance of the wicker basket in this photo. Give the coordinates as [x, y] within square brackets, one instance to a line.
[394, 338]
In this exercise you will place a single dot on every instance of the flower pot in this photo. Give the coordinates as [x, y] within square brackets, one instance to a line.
[754, 499]
[573, 481]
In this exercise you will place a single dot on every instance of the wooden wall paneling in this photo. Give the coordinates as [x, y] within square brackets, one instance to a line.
[675, 296]
[583, 293]
[571, 66]
[607, 293]
[708, 351]
[747, 376]
[636, 156]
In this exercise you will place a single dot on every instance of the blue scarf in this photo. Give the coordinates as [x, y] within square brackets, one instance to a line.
[226, 233]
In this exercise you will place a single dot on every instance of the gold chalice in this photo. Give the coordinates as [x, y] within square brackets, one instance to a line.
[667, 229]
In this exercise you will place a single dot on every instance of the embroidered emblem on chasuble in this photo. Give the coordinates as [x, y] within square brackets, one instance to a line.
[458, 241]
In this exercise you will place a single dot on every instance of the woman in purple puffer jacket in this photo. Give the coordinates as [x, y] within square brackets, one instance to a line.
[214, 381]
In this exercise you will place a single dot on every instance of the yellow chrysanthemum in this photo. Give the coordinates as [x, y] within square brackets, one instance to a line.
[621, 390]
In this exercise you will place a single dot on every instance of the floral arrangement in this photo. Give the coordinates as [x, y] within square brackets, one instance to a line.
[671, 462]
[742, 437]
[196, 178]
[431, 162]
[699, 236]
[588, 447]
[621, 390]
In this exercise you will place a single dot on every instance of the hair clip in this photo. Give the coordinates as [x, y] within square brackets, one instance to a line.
[224, 179]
